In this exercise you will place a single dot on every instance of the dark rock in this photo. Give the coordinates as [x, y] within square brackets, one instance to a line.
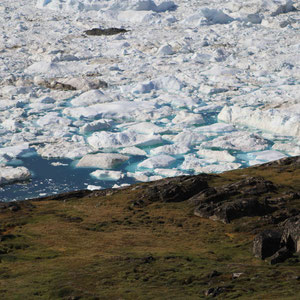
[235, 200]
[56, 85]
[175, 189]
[280, 256]
[279, 244]
[239, 208]
[66, 196]
[213, 274]
[108, 31]
[267, 243]
[6, 237]
[214, 292]
[67, 84]
[291, 234]
[251, 186]
[228, 211]
[12, 206]
[148, 259]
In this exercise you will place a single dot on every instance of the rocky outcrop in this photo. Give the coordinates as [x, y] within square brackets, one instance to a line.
[291, 234]
[107, 31]
[233, 201]
[266, 243]
[280, 243]
[228, 211]
[175, 189]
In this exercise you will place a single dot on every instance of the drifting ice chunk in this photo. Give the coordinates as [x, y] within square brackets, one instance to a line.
[64, 149]
[133, 151]
[10, 175]
[217, 155]
[107, 175]
[105, 139]
[185, 118]
[89, 98]
[159, 161]
[139, 110]
[102, 160]
[217, 128]
[165, 50]
[192, 162]
[102, 124]
[52, 118]
[147, 128]
[208, 16]
[180, 100]
[215, 16]
[169, 172]
[291, 149]
[12, 125]
[277, 7]
[141, 5]
[264, 156]
[188, 138]
[168, 83]
[133, 16]
[240, 140]
[59, 69]
[218, 168]
[170, 149]
[15, 151]
[91, 187]
[139, 176]
[270, 119]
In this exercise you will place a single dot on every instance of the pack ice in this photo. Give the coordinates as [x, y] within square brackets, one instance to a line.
[161, 88]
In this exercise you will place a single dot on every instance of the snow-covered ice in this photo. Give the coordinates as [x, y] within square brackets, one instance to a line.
[102, 160]
[11, 174]
[187, 87]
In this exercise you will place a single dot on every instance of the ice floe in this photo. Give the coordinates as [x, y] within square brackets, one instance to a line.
[158, 161]
[103, 139]
[102, 160]
[239, 140]
[11, 174]
[107, 175]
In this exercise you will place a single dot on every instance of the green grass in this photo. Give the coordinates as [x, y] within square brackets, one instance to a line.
[100, 247]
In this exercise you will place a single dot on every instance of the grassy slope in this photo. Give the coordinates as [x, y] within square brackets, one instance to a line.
[100, 247]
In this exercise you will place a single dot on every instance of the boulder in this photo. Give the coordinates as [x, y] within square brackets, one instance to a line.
[267, 243]
[176, 189]
[291, 234]
[246, 188]
[280, 256]
[106, 31]
[228, 211]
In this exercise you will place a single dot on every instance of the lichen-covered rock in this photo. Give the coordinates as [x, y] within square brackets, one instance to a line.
[176, 189]
[249, 187]
[228, 211]
[291, 234]
[267, 243]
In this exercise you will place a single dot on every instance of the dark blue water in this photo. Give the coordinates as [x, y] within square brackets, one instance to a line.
[49, 180]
